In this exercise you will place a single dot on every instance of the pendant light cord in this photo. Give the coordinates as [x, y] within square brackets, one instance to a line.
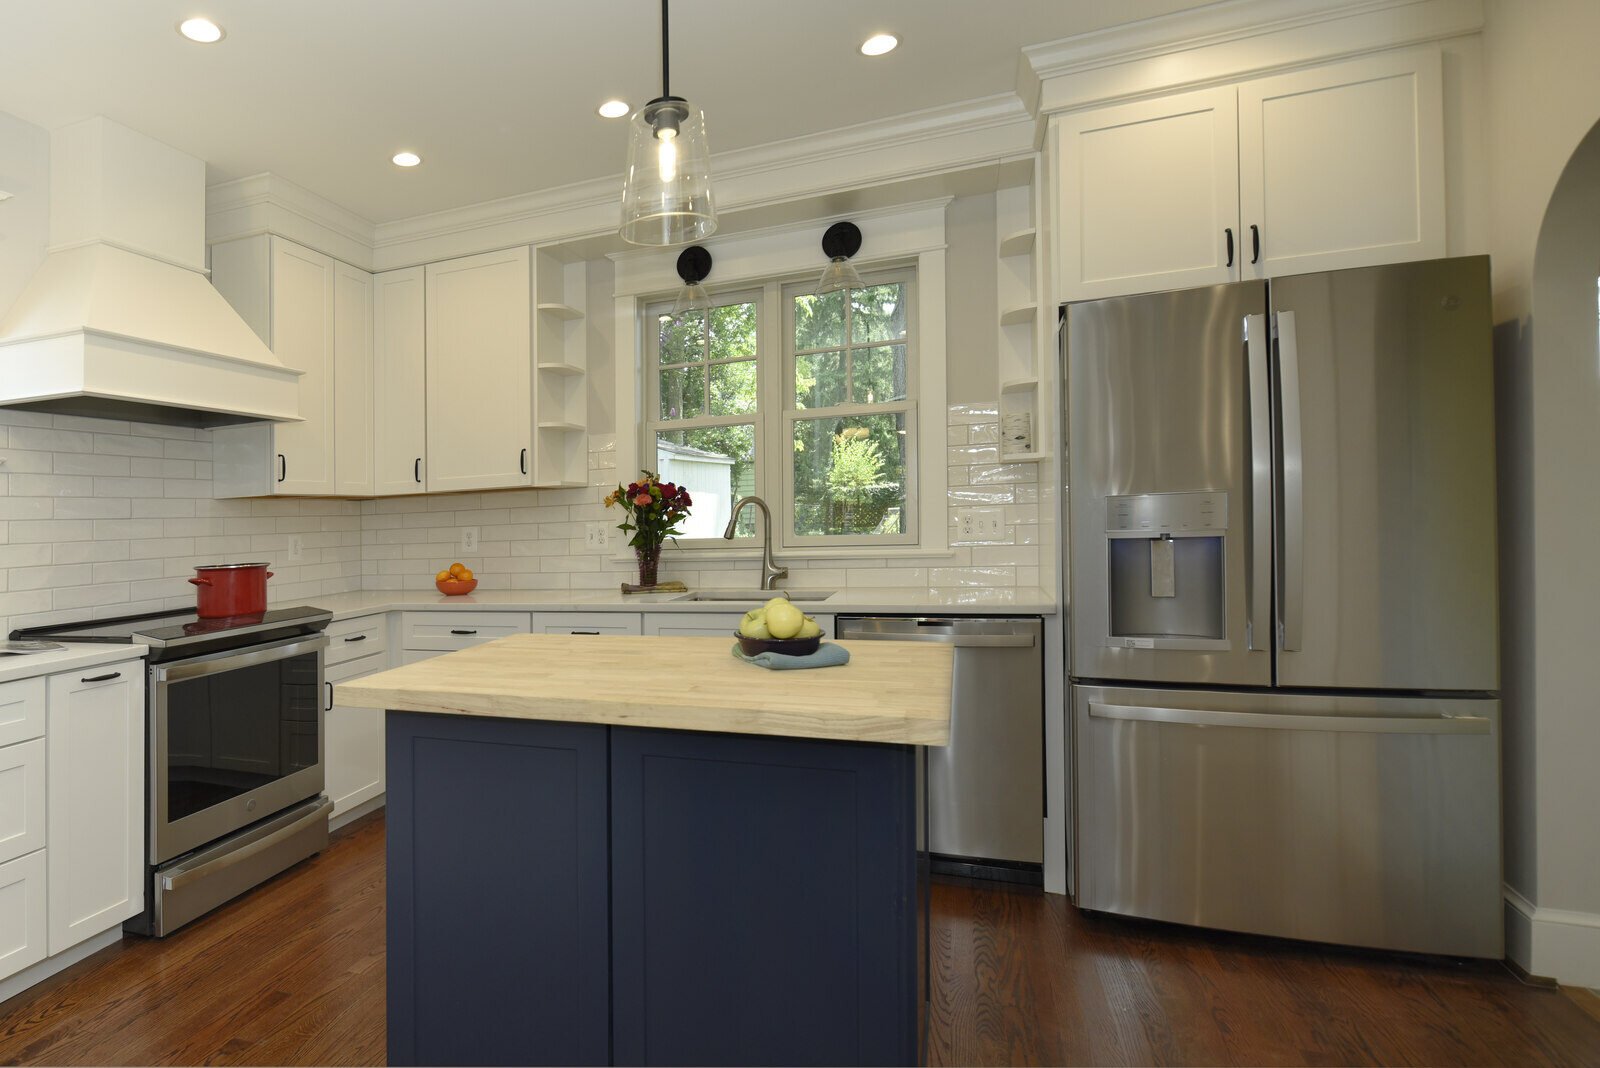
[665, 90]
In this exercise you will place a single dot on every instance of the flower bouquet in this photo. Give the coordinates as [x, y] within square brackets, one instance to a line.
[654, 510]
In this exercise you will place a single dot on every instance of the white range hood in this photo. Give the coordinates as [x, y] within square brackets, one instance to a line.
[119, 320]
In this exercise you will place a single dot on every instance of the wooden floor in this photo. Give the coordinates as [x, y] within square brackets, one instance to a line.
[293, 974]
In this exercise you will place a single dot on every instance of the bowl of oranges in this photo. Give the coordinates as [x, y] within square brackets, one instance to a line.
[455, 580]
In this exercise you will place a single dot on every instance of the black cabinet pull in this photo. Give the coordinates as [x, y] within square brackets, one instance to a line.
[586, 632]
[416, 469]
[357, 638]
[1255, 243]
[463, 632]
[103, 678]
[329, 685]
[1229, 233]
[283, 467]
[524, 461]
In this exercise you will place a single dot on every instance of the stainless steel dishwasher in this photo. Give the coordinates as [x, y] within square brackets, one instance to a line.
[986, 788]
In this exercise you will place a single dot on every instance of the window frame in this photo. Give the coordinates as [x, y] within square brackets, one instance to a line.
[906, 275]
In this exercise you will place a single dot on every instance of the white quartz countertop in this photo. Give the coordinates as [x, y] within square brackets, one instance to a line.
[1031, 601]
[75, 655]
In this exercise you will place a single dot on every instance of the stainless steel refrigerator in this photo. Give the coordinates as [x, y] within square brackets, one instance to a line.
[1284, 624]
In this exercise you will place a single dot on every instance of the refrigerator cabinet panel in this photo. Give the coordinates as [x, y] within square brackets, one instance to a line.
[1361, 821]
[1386, 561]
[1169, 487]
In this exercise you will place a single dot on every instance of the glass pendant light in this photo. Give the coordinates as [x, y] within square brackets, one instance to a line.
[666, 196]
[694, 264]
[841, 241]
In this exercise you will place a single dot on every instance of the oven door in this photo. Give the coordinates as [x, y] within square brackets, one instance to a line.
[234, 737]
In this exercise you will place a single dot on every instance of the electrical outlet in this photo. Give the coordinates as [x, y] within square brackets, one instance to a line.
[469, 539]
[596, 536]
[297, 548]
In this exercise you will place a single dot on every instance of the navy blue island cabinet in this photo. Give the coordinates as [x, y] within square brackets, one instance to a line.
[566, 893]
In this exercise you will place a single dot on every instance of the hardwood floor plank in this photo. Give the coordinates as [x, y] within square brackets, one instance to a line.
[293, 974]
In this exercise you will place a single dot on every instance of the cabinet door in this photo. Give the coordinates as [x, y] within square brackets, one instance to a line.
[400, 385]
[352, 380]
[480, 390]
[21, 798]
[354, 745]
[498, 941]
[302, 337]
[22, 913]
[1343, 165]
[95, 784]
[1148, 194]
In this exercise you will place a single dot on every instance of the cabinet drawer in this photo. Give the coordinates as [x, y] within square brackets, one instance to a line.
[445, 631]
[21, 710]
[22, 916]
[693, 624]
[586, 623]
[351, 639]
[21, 799]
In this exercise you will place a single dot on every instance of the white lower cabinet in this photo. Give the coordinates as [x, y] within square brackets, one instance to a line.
[586, 623]
[354, 742]
[445, 632]
[95, 809]
[22, 913]
[692, 624]
[22, 798]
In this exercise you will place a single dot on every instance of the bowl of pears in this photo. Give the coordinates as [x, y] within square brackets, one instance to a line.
[778, 627]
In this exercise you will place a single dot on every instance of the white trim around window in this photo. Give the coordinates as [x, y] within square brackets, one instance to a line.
[907, 237]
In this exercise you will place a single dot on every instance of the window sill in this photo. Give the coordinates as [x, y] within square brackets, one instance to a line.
[686, 553]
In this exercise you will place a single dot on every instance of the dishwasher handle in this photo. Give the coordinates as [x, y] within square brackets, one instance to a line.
[937, 631]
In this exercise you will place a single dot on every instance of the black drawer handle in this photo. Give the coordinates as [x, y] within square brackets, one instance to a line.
[1255, 243]
[463, 632]
[586, 632]
[416, 470]
[357, 638]
[103, 678]
[329, 685]
[1229, 233]
[283, 467]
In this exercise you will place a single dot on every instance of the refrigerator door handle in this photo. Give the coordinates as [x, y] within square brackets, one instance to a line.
[1213, 717]
[1291, 458]
[1258, 548]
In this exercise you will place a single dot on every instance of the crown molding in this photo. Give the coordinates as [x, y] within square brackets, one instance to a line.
[270, 203]
[1229, 40]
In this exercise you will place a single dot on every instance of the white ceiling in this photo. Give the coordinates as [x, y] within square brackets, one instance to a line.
[499, 96]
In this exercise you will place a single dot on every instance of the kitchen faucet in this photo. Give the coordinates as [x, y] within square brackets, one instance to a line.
[770, 571]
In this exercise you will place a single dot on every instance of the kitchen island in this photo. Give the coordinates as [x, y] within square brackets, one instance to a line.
[643, 851]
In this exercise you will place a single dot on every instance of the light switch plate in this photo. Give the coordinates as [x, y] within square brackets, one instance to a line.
[469, 539]
[297, 548]
[980, 524]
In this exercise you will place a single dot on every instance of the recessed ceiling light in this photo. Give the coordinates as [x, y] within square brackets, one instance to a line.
[614, 109]
[202, 31]
[879, 44]
[406, 159]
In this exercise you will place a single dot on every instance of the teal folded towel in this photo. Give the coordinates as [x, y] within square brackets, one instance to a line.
[827, 655]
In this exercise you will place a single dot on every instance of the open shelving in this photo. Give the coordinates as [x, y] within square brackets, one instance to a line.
[1017, 293]
[560, 410]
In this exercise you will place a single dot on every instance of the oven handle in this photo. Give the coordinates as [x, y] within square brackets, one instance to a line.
[179, 879]
[234, 659]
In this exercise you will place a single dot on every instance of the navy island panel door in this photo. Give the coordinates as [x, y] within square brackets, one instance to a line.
[763, 906]
[499, 940]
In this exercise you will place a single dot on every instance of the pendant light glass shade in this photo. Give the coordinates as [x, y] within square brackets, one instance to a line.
[691, 298]
[666, 197]
[838, 274]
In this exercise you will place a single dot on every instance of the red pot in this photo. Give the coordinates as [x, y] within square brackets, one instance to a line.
[231, 589]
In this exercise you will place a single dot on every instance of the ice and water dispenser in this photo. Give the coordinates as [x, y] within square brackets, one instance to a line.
[1167, 571]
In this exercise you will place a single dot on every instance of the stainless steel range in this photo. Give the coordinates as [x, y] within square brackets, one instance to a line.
[234, 718]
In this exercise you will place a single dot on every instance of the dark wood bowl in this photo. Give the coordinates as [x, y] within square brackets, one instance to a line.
[783, 646]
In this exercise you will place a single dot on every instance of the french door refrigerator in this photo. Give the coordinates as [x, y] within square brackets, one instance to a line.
[1284, 650]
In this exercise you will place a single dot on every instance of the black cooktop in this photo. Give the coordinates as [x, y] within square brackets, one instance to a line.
[174, 634]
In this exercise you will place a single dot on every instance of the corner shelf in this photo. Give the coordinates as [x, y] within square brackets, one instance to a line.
[1021, 457]
[556, 424]
[1018, 243]
[1019, 315]
[561, 368]
[560, 311]
[1021, 385]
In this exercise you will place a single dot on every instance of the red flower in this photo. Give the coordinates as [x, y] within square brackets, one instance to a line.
[668, 491]
[685, 501]
[642, 499]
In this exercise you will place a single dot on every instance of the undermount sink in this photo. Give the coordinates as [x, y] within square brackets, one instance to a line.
[759, 596]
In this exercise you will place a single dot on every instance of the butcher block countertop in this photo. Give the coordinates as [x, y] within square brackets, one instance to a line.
[897, 692]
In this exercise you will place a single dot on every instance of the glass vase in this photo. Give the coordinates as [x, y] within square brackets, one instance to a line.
[649, 557]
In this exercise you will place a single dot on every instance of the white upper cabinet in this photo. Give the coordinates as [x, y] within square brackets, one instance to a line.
[1343, 165]
[1149, 194]
[352, 381]
[315, 315]
[1335, 166]
[95, 812]
[400, 385]
[480, 389]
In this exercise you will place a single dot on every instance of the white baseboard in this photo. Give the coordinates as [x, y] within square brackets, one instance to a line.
[371, 804]
[1553, 943]
[38, 973]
